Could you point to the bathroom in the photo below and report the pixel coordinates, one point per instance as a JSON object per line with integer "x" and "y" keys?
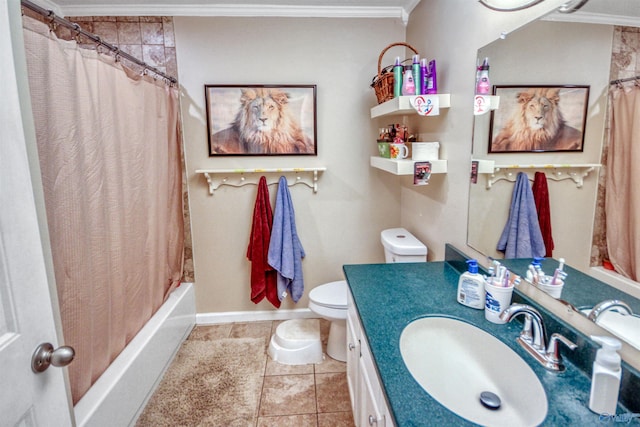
{"x": 339, "y": 224}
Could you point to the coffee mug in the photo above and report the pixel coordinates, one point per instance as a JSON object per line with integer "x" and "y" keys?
{"x": 398, "y": 151}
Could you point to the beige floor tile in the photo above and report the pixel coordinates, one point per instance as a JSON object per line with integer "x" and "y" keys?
{"x": 210, "y": 332}
{"x": 275, "y": 368}
{"x": 304, "y": 420}
{"x": 288, "y": 395}
{"x": 335, "y": 419}
{"x": 332, "y": 392}
{"x": 252, "y": 330}
{"x": 330, "y": 365}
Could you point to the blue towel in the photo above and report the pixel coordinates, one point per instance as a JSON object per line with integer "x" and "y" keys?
{"x": 285, "y": 250}
{"x": 521, "y": 237}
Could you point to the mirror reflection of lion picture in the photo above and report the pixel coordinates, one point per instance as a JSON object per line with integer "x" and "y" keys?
{"x": 264, "y": 124}
{"x": 537, "y": 124}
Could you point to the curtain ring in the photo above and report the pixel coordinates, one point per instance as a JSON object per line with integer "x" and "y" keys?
{"x": 52, "y": 22}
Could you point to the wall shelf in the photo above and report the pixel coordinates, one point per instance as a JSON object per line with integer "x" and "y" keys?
{"x": 402, "y": 105}
{"x": 556, "y": 172}
{"x": 405, "y": 166}
{"x": 217, "y": 178}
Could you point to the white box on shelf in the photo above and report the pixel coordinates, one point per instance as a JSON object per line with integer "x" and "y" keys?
{"x": 422, "y": 151}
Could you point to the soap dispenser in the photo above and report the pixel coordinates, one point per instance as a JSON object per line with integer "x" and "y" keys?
{"x": 605, "y": 382}
{"x": 471, "y": 287}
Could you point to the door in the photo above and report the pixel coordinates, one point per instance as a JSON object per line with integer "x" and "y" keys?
{"x": 26, "y": 314}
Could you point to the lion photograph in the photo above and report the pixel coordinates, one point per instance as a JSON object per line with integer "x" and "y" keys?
{"x": 537, "y": 119}
{"x": 265, "y": 120}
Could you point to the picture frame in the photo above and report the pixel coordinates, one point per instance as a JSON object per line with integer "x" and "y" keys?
{"x": 261, "y": 120}
{"x": 543, "y": 118}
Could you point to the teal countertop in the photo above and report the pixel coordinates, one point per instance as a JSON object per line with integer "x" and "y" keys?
{"x": 389, "y": 296}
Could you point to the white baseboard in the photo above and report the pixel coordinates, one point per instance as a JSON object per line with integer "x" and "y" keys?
{"x": 253, "y": 316}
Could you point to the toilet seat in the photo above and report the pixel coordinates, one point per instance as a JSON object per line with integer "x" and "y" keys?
{"x": 331, "y": 295}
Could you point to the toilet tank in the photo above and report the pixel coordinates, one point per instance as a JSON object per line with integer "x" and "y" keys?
{"x": 402, "y": 246}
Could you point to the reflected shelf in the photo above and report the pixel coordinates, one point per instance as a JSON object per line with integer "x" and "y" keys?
{"x": 576, "y": 172}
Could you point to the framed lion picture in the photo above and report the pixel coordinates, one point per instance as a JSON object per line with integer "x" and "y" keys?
{"x": 539, "y": 119}
{"x": 261, "y": 120}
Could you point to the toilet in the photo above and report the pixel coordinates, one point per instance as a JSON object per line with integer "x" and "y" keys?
{"x": 329, "y": 301}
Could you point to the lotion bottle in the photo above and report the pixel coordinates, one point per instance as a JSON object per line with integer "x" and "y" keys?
{"x": 605, "y": 381}
{"x": 471, "y": 287}
{"x": 432, "y": 84}
{"x": 408, "y": 84}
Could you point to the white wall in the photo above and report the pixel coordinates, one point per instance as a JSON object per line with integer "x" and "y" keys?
{"x": 451, "y": 31}
{"x": 340, "y": 224}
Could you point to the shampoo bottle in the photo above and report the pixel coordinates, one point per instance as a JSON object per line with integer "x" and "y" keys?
{"x": 415, "y": 68}
{"x": 397, "y": 78}
{"x": 432, "y": 85}
{"x": 471, "y": 287}
{"x": 424, "y": 76}
{"x": 483, "y": 86}
{"x": 605, "y": 381}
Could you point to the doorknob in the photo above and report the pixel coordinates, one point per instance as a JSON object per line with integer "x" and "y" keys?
{"x": 45, "y": 355}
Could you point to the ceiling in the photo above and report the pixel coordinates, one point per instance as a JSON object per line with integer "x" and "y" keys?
{"x": 618, "y": 12}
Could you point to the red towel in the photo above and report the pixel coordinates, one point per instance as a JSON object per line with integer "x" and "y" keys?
{"x": 263, "y": 276}
{"x": 541, "y": 198}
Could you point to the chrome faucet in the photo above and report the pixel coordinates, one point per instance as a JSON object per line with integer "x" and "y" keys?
{"x": 607, "y": 305}
{"x": 533, "y": 337}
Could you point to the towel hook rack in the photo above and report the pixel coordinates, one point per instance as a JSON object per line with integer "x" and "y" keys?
{"x": 217, "y": 178}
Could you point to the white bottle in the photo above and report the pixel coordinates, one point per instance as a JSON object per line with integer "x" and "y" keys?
{"x": 605, "y": 382}
{"x": 471, "y": 287}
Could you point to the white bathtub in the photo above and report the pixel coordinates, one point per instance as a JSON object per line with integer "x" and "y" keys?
{"x": 121, "y": 392}
{"x": 616, "y": 280}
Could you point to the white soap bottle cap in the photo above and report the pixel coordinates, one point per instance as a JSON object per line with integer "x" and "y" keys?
{"x": 608, "y": 355}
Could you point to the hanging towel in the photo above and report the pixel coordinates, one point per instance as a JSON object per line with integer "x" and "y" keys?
{"x": 541, "y": 198}
{"x": 285, "y": 249}
{"x": 263, "y": 277}
{"x": 521, "y": 237}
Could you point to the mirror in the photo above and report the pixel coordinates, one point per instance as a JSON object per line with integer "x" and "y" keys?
{"x": 554, "y": 53}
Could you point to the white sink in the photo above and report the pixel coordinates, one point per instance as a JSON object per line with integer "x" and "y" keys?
{"x": 625, "y": 327}
{"x": 455, "y": 362}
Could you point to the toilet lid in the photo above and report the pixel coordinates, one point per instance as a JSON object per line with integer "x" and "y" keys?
{"x": 332, "y": 295}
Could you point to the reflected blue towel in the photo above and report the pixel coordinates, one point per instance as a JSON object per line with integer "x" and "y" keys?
{"x": 521, "y": 237}
{"x": 285, "y": 250}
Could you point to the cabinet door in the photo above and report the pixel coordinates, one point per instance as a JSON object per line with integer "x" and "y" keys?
{"x": 369, "y": 412}
{"x": 353, "y": 365}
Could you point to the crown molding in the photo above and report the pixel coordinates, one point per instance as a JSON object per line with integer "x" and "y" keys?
{"x": 594, "y": 18}
{"x": 240, "y": 10}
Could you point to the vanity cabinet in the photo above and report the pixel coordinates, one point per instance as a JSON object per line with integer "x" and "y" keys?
{"x": 365, "y": 391}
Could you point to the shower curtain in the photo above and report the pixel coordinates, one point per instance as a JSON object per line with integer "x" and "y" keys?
{"x": 622, "y": 202}
{"x": 108, "y": 143}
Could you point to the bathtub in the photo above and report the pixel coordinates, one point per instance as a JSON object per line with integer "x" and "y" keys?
{"x": 616, "y": 280}
{"x": 121, "y": 392}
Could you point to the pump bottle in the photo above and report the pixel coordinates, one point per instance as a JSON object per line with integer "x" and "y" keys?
{"x": 471, "y": 287}
{"x": 605, "y": 381}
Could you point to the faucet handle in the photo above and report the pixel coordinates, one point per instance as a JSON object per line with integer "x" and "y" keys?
{"x": 553, "y": 350}
{"x": 526, "y": 334}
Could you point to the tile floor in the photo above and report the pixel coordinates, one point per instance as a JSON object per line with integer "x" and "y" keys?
{"x": 293, "y": 396}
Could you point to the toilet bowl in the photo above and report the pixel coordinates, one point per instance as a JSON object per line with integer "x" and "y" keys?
{"x": 329, "y": 301}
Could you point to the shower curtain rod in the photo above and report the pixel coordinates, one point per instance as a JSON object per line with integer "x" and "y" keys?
{"x": 96, "y": 39}
{"x": 630, "y": 79}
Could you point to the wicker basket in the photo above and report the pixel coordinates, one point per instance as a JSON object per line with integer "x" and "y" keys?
{"x": 383, "y": 81}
